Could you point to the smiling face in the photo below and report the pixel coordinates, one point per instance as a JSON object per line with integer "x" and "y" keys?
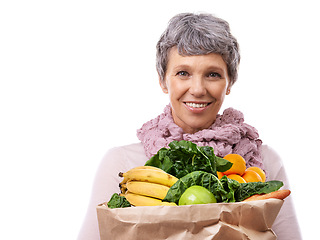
{"x": 196, "y": 86}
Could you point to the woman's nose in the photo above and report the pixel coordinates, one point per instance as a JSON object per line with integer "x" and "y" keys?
{"x": 197, "y": 87}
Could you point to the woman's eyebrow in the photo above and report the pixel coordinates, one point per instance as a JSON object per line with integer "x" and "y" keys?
{"x": 208, "y": 68}
{"x": 182, "y": 66}
{"x": 217, "y": 68}
{"x": 187, "y": 67}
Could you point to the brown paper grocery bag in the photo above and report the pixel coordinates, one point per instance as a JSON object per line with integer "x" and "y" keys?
{"x": 242, "y": 220}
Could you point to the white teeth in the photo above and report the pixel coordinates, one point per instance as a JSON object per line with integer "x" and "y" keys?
{"x": 197, "y": 105}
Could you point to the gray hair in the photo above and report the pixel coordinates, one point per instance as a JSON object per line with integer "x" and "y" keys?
{"x": 198, "y": 34}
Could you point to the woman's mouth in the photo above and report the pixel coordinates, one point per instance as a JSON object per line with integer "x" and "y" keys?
{"x": 196, "y": 107}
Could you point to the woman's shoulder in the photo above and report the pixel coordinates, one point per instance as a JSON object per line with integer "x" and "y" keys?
{"x": 133, "y": 150}
{"x": 126, "y": 156}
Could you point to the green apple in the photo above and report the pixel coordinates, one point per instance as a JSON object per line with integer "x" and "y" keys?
{"x": 197, "y": 195}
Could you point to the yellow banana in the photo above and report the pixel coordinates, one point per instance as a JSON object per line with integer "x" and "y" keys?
{"x": 123, "y": 187}
{"x": 168, "y": 204}
{"x": 147, "y": 189}
{"x": 149, "y": 175}
{"x": 140, "y": 167}
{"x": 150, "y": 167}
{"x": 139, "y": 200}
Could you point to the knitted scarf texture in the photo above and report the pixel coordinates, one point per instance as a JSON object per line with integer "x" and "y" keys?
{"x": 228, "y": 134}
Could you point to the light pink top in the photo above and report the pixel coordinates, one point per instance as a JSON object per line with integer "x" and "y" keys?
{"x": 121, "y": 159}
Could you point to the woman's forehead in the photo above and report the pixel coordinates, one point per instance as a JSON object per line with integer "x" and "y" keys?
{"x": 209, "y": 60}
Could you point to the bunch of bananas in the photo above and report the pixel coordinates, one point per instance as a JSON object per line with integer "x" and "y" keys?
{"x": 146, "y": 186}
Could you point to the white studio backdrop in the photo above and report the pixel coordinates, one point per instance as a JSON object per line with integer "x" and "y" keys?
{"x": 78, "y": 78}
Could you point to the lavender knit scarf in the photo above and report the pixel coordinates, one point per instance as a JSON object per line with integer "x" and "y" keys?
{"x": 228, "y": 134}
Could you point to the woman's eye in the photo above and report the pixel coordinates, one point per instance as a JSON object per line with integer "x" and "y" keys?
{"x": 183, "y": 74}
{"x": 214, "y": 75}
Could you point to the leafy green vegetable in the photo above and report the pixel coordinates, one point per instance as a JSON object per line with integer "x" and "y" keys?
{"x": 251, "y": 188}
{"x": 200, "y": 178}
{"x": 183, "y": 157}
{"x": 117, "y": 201}
{"x": 224, "y": 190}
{"x": 230, "y": 186}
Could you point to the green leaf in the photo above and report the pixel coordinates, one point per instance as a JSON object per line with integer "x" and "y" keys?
{"x": 222, "y": 164}
{"x": 251, "y": 188}
{"x": 200, "y": 178}
{"x": 230, "y": 186}
{"x": 184, "y": 146}
{"x": 155, "y": 160}
{"x": 183, "y": 157}
{"x": 117, "y": 201}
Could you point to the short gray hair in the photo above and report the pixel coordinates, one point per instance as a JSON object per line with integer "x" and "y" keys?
{"x": 198, "y": 34}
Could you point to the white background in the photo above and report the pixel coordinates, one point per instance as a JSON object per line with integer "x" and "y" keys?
{"x": 78, "y": 77}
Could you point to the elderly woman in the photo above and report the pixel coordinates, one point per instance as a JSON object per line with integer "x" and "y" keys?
{"x": 197, "y": 62}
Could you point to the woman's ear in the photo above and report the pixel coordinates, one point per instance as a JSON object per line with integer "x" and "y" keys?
{"x": 163, "y": 85}
{"x": 228, "y": 88}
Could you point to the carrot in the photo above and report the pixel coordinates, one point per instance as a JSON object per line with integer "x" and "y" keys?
{"x": 280, "y": 194}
